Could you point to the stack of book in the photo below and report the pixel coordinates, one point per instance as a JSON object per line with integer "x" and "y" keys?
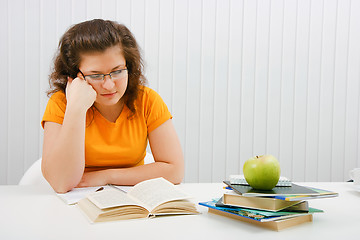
{"x": 277, "y": 209}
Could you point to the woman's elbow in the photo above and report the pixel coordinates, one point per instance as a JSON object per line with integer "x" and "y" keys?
{"x": 178, "y": 174}
{"x": 61, "y": 189}
{"x": 59, "y": 186}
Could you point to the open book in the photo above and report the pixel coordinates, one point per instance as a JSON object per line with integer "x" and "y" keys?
{"x": 146, "y": 199}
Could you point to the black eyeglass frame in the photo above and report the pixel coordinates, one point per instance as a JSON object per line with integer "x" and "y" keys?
{"x": 100, "y": 74}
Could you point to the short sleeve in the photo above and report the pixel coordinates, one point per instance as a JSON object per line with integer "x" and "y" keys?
{"x": 55, "y": 109}
{"x": 156, "y": 111}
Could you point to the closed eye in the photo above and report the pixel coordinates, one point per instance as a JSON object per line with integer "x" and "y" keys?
{"x": 95, "y": 76}
{"x": 118, "y": 71}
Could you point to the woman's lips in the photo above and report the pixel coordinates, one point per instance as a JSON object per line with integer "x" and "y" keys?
{"x": 108, "y": 94}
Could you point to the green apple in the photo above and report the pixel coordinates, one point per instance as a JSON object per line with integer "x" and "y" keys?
{"x": 262, "y": 172}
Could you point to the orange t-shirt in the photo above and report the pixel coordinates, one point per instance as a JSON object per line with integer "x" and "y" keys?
{"x": 119, "y": 144}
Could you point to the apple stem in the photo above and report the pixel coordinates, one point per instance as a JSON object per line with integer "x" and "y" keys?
{"x": 257, "y": 156}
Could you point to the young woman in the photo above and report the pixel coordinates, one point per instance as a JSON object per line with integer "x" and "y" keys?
{"x": 100, "y": 115}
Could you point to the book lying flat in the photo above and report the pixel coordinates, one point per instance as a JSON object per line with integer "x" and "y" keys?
{"x": 262, "y": 203}
{"x": 265, "y": 215}
{"x": 256, "y": 214}
{"x": 273, "y": 220}
{"x": 146, "y": 199}
{"x": 276, "y": 223}
{"x": 276, "y": 191}
{"x": 240, "y": 179}
{"x": 321, "y": 194}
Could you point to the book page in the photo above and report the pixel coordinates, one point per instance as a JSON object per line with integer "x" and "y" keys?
{"x": 156, "y": 191}
{"x": 112, "y": 198}
{"x": 76, "y": 194}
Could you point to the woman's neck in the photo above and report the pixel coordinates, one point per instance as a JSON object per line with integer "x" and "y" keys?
{"x": 112, "y": 112}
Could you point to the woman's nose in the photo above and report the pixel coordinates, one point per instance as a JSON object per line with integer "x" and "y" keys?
{"x": 108, "y": 83}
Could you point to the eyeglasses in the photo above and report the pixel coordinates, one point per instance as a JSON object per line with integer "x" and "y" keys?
{"x": 115, "y": 75}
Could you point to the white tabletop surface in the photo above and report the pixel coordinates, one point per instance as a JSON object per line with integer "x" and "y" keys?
{"x": 36, "y": 212}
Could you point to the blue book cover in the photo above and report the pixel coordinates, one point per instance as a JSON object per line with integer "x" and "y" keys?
{"x": 257, "y": 215}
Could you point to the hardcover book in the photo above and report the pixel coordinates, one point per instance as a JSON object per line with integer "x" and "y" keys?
{"x": 276, "y": 191}
{"x": 240, "y": 179}
{"x": 321, "y": 194}
{"x": 262, "y": 203}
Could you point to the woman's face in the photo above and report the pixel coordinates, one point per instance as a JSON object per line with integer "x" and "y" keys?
{"x": 109, "y": 91}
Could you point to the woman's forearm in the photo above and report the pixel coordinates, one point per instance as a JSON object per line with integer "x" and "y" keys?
{"x": 134, "y": 175}
{"x": 131, "y": 176}
{"x": 63, "y": 153}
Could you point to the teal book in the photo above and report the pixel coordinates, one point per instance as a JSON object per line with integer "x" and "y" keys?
{"x": 258, "y": 215}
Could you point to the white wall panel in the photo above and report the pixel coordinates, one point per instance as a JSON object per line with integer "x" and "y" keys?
{"x": 248, "y": 80}
{"x": 326, "y": 90}
{"x": 137, "y": 20}
{"x": 232, "y": 163}
{"x": 205, "y": 159}
{"x": 109, "y": 8}
{"x": 340, "y": 89}
{"x": 166, "y": 50}
{"x": 241, "y": 78}
{"x": 275, "y": 67}
{"x": 287, "y": 86}
{"x": 192, "y": 80}
{"x": 124, "y": 10}
{"x": 152, "y": 38}
{"x": 16, "y": 90}
{"x": 220, "y": 90}
{"x": 352, "y": 124}
{"x": 179, "y": 75}
{"x": 300, "y": 89}
{"x": 261, "y": 77}
{"x": 93, "y": 8}
{"x": 77, "y": 9}
{"x": 4, "y": 102}
{"x": 32, "y": 117}
{"x": 313, "y": 106}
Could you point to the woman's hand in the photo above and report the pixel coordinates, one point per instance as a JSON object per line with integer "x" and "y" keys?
{"x": 95, "y": 178}
{"x": 80, "y": 94}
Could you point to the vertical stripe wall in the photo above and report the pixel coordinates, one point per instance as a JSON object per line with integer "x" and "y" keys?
{"x": 241, "y": 78}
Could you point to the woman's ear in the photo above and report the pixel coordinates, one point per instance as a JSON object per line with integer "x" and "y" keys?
{"x": 79, "y": 75}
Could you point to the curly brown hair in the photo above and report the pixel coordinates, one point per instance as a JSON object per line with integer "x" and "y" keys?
{"x": 96, "y": 36}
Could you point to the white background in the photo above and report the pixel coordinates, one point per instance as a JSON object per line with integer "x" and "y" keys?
{"x": 241, "y": 78}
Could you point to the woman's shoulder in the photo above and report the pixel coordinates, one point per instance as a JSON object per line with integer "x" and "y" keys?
{"x": 148, "y": 97}
{"x": 58, "y": 96}
{"x": 150, "y": 100}
{"x": 146, "y": 90}
{"x": 58, "y": 99}
{"x": 147, "y": 93}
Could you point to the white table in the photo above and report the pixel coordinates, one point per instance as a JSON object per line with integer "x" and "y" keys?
{"x": 35, "y": 212}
